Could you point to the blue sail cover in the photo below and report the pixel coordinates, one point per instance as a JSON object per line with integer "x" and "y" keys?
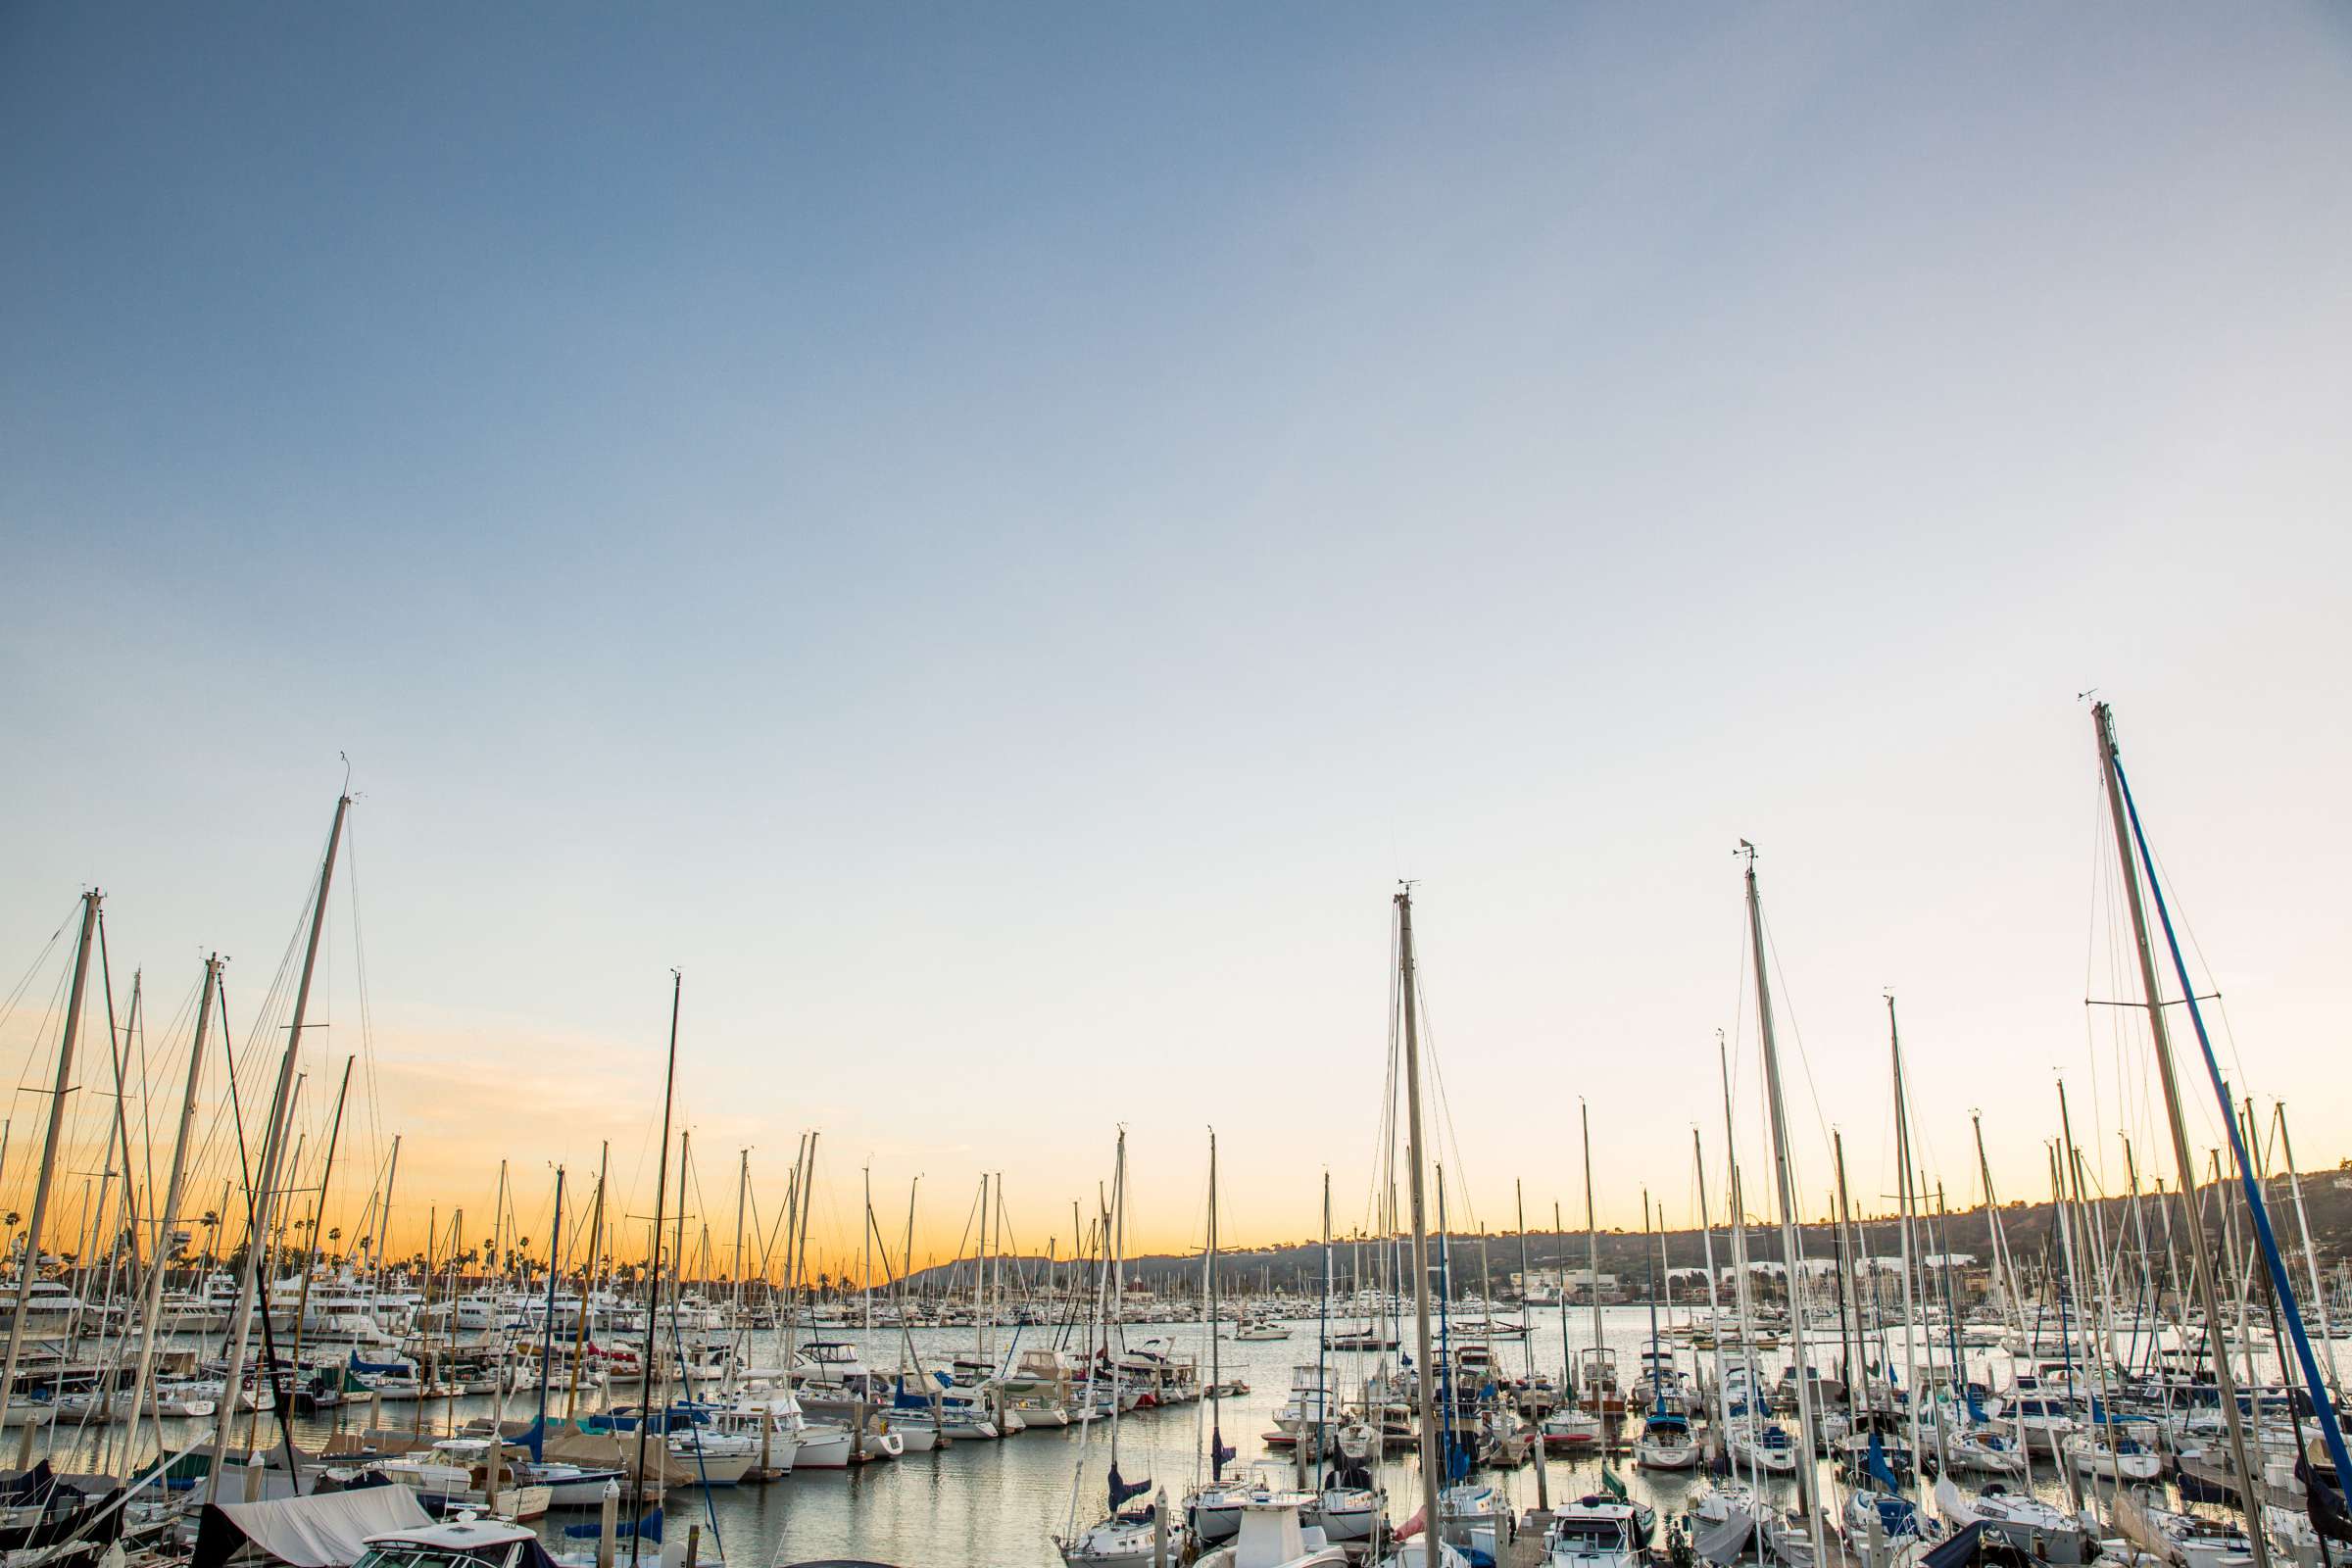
{"x": 1219, "y": 1454}
{"x": 1123, "y": 1490}
{"x": 1877, "y": 1465}
{"x": 379, "y": 1368}
{"x": 648, "y": 1528}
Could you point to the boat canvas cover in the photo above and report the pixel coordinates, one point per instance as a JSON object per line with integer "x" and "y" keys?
{"x": 1961, "y": 1549}
{"x": 1724, "y": 1541}
{"x": 329, "y": 1530}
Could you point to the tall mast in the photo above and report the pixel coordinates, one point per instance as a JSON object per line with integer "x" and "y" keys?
{"x": 653, "y": 1303}
{"x": 1216, "y": 1370}
{"x": 547, "y": 1330}
{"x": 117, "y": 1048}
{"x": 1115, "y": 1223}
{"x": 264, "y": 1194}
{"x": 1806, "y": 1481}
{"x": 2099, "y": 1349}
{"x": 151, "y": 1309}
{"x": 383, "y": 1225}
{"x": 1846, "y": 1271}
{"x": 1559, "y": 1239}
{"x": 49, "y": 1149}
{"x": 980, "y": 1277}
{"x": 1425, "y": 1381}
{"x": 1649, "y": 1357}
{"x": 1706, "y": 1233}
{"x": 1992, "y": 1212}
{"x": 1323, "y": 1337}
{"x": 588, "y": 1277}
{"x": 1910, "y": 1255}
{"x": 1584, "y": 1115}
{"x": 1527, "y": 1316}
{"x": 678, "y": 1251}
{"x": 326, "y": 1171}
{"x": 1740, "y": 1283}
{"x": 2102, "y": 721}
{"x": 2311, "y": 1259}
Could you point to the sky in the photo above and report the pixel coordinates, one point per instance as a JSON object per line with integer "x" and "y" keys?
{"x": 992, "y": 539}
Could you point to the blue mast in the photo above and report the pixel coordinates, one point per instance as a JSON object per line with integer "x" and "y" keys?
{"x": 2331, "y": 1426}
{"x": 1323, "y": 1331}
{"x": 547, "y": 1341}
{"x": 1455, "y": 1468}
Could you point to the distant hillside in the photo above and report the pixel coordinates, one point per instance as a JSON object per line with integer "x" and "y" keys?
{"x": 2028, "y": 1230}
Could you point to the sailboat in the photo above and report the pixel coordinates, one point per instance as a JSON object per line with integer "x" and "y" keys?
{"x": 1444, "y": 1510}
{"x": 1351, "y": 1505}
{"x": 1213, "y": 1512}
{"x": 1122, "y": 1535}
{"x": 1598, "y": 1388}
{"x": 2144, "y": 890}
{"x": 1572, "y": 1427}
{"x": 1796, "y": 1540}
{"x": 1665, "y": 1443}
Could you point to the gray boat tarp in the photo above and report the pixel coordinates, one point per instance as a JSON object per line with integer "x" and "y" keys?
{"x": 327, "y": 1530}
{"x": 1724, "y": 1541}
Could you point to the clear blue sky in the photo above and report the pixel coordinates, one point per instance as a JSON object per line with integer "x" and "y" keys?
{"x": 992, "y": 535}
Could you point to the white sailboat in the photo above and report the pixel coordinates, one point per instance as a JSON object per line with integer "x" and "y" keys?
{"x": 1118, "y": 1539}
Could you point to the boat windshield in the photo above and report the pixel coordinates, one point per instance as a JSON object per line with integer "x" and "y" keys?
{"x": 408, "y": 1554}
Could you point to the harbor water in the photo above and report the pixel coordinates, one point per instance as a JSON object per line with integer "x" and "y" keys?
{"x": 985, "y": 1504}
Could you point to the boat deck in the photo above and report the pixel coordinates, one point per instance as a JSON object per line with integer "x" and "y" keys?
{"x": 1526, "y": 1550}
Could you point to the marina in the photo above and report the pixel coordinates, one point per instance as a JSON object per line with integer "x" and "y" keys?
{"x": 2076, "y": 1404}
{"x": 1531, "y": 784}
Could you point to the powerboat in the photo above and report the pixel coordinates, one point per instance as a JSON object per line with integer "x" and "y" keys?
{"x": 1593, "y": 1533}
{"x": 1273, "y": 1533}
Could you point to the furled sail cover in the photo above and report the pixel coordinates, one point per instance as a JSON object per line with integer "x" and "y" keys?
{"x": 326, "y": 1531}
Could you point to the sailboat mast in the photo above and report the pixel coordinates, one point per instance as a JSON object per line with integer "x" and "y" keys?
{"x": 1424, "y": 1381}
{"x": 151, "y": 1311}
{"x": 49, "y": 1151}
{"x": 1649, "y": 1266}
{"x": 588, "y": 1278}
{"x": 743, "y": 1187}
{"x": 1792, "y": 1260}
{"x": 1559, "y": 1238}
{"x": 2097, "y": 1351}
{"x": 1741, "y": 1288}
{"x": 1584, "y": 1115}
{"x": 2200, "y": 1258}
{"x": 1323, "y": 1335}
{"x": 1992, "y": 1214}
{"x": 2311, "y": 1261}
{"x": 1846, "y": 1272}
{"x": 1706, "y": 1234}
{"x": 1527, "y": 1316}
{"x": 547, "y": 1329}
{"x": 653, "y": 1301}
{"x": 1208, "y": 1282}
{"x": 1910, "y": 1254}
{"x": 281, "y": 1110}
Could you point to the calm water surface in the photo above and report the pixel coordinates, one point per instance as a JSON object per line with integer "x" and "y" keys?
{"x": 996, "y": 1505}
